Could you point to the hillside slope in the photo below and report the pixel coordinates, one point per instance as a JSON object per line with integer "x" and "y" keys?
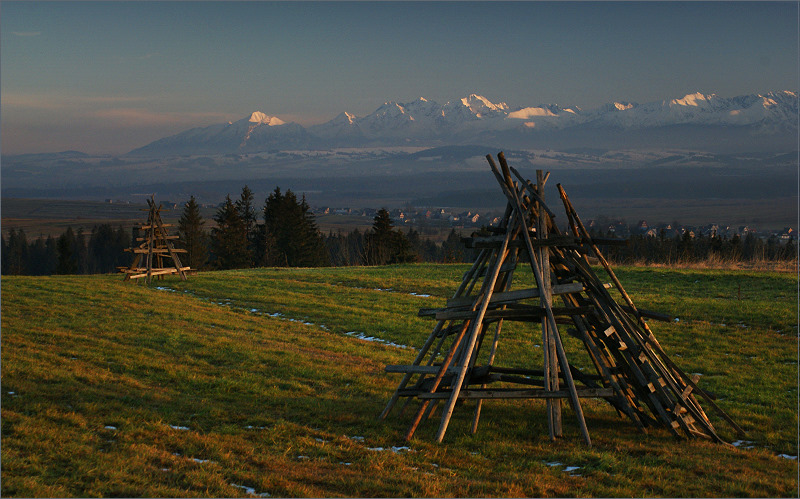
{"x": 268, "y": 382}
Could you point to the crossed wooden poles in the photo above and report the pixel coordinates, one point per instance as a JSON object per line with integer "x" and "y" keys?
{"x": 155, "y": 247}
{"x": 634, "y": 374}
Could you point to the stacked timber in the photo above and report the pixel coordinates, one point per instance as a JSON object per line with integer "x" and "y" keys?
{"x": 633, "y": 372}
{"x": 155, "y": 255}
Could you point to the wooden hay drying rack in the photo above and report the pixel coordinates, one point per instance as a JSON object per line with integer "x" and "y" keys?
{"x": 634, "y": 374}
{"x": 156, "y": 248}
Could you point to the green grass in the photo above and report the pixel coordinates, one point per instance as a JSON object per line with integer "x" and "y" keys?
{"x": 100, "y": 377}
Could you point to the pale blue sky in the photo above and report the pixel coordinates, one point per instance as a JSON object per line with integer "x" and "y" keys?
{"x": 106, "y": 77}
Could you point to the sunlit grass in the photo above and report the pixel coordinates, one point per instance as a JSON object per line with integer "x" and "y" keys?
{"x": 113, "y": 388}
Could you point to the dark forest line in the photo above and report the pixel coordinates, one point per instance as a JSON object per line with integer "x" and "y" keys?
{"x": 283, "y": 232}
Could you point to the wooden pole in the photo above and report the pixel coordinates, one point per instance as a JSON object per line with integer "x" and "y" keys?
{"x": 485, "y": 298}
{"x": 511, "y": 194}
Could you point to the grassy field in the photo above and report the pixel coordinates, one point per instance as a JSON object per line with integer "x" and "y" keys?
{"x": 261, "y": 383}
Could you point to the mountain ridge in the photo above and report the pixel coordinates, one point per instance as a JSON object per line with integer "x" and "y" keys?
{"x": 762, "y": 120}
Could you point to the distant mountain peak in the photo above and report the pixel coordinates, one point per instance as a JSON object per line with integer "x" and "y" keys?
{"x": 479, "y": 104}
{"x": 265, "y": 119}
{"x": 696, "y": 99}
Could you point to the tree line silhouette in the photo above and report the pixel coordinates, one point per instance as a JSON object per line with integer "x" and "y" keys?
{"x": 284, "y": 233}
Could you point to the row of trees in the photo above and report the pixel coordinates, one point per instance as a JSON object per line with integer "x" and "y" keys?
{"x": 70, "y": 253}
{"x": 284, "y": 232}
{"x": 289, "y": 236}
{"x": 699, "y": 248}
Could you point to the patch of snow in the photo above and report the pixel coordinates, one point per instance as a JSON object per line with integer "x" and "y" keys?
{"x": 569, "y": 469}
{"x": 744, "y": 444}
{"x": 396, "y": 450}
{"x": 364, "y": 337}
{"x": 250, "y": 490}
{"x": 201, "y": 460}
{"x": 12, "y": 393}
{"x": 344, "y": 463}
{"x": 787, "y": 456}
{"x": 183, "y": 428}
{"x": 357, "y": 439}
{"x": 109, "y": 427}
{"x": 302, "y": 457}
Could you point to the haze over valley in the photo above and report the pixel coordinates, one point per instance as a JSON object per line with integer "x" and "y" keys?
{"x": 402, "y": 106}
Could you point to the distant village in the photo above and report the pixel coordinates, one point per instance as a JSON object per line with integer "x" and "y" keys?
{"x": 468, "y": 219}
{"x": 444, "y": 217}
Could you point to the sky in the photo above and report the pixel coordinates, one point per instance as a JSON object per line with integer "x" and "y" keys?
{"x": 108, "y": 77}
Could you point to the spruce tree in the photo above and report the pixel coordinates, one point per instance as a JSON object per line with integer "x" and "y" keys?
{"x": 51, "y": 255}
{"x": 248, "y": 213}
{"x": 193, "y": 236}
{"x": 452, "y": 248}
{"x": 81, "y": 252}
{"x": 229, "y": 238}
{"x": 17, "y": 248}
{"x": 291, "y": 232}
{"x": 66, "y": 253}
{"x": 383, "y": 244}
{"x": 378, "y": 243}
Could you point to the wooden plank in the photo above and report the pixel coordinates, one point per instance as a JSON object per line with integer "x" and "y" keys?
{"x": 649, "y": 314}
{"x": 496, "y": 241}
{"x": 158, "y": 250}
{"x": 515, "y": 393}
{"x": 528, "y": 313}
{"x": 519, "y": 294}
{"x": 416, "y": 369}
{"x": 155, "y": 273}
{"x": 160, "y": 237}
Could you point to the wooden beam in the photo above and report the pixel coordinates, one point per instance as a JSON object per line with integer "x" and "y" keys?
{"x": 519, "y": 294}
{"x": 515, "y": 393}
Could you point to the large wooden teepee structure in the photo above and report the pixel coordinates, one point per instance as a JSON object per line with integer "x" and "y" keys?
{"x": 633, "y": 373}
{"x": 156, "y": 249}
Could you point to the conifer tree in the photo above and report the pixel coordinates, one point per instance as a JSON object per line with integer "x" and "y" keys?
{"x": 229, "y": 238}
{"x": 193, "y": 236}
{"x": 17, "y": 249}
{"x": 383, "y": 244}
{"x": 452, "y": 249}
{"x": 248, "y": 213}
{"x": 81, "y": 252}
{"x": 66, "y": 253}
{"x": 292, "y": 233}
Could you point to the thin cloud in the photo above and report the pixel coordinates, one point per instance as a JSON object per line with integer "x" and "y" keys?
{"x": 52, "y": 101}
{"x": 146, "y": 117}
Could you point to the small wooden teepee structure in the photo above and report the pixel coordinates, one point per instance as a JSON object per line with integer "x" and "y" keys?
{"x": 156, "y": 248}
{"x": 634, "y": 374}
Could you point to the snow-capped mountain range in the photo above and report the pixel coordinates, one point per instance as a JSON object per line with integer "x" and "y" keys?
{"x": 755, "y": 122}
